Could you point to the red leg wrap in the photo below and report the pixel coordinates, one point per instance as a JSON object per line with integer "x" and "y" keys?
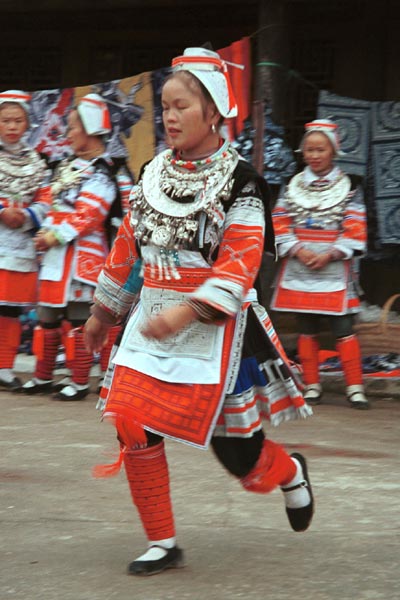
{"x": 50, "y": 340}
{"x": 274, "y": 467}
{"x": 308, "y": 348}
{"x": 148, "y": 478}
{"x": 10, "y": 336}
{"x": 66, "y": 327}
{"x": 82, "y": 362}
{"x": 350, "y": 357}
{"x": 106, "y": 351}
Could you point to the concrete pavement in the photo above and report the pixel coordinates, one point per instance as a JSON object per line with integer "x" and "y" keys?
{"x": 67, "y": 536}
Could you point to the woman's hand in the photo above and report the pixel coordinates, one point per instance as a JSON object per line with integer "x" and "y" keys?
{"x": 312, "y": 260}
{"x": 13, "y": 217}
{"x": 305, "y": 256}
{"x": 319, "y": 261}
{"x": 45, "y": 240}
{"x": 169, "y": 321}
{"x": 95, "y": 334}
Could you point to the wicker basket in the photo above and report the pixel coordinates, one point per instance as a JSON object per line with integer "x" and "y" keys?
{"x": 380, "y": 337}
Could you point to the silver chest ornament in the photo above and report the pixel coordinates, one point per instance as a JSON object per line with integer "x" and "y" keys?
{"x": 167, "y": 202}
{"x": 21, "y": 174}
{"x": 321, "y": 207}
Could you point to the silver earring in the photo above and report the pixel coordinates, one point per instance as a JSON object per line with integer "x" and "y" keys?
{"x": 213, "y": 128}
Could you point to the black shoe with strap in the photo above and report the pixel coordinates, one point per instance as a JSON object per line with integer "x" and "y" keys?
{"x": 313, "y": 394}
{"x": 173, "y": 559}
{"x": 33, "y": 387}
{"x": 300, "y": 518}
{"x": 13, "y": 386}
{"x": 70, "y": 393}
{"x": 356, "y": 397}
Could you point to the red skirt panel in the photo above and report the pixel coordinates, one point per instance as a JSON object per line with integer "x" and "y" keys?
{"x": 55, "y": 293}
{"x": 18, "y": 288}
{"x": 186, "y": 412}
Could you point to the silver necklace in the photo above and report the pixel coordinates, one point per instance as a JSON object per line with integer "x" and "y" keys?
{"x": 166, "y": 203}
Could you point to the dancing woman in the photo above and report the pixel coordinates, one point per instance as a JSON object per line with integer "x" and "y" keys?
{"x": 199, "y": 361}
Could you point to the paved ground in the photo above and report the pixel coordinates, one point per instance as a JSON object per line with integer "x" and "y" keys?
{"x": 66, "y": 536}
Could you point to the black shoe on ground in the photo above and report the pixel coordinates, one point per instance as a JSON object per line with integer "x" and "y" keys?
{"x": 59, "y": 385}
{"x": 172, "y": 560}
{"x": 32, "y": 387}
{"x": 70, "y": 393}
{"x": 13, "y": 386}
{"x": 356, "y": 397}
{"x": 300, "y": 518}
{"x": 313, "y": 394}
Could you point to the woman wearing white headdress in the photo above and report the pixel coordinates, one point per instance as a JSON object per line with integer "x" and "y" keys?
{"x": 199, "y": 361}
{"x": 24, "y": 201}
{"x": 74, "y": 246}
{"x": 320, "y": 226}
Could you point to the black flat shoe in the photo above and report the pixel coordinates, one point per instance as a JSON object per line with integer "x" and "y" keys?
{"x": 300, "y": 518}
{"x": 71, "y": 396}
{"x": 360, "y": 405}
{"x": 59, "y": 385}
{"x": 13, "y": 385}
{"x": 172, "y": 560}
{"x": 313, "y": 394}
{"x": 32, "y": 387}
{"x": 356, "y": 397}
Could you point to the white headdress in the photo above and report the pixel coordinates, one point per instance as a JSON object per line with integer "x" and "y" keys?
{"x": 328, "y": 128}
{"x": 212, "y": 71}
{"x": 17, "y": 97}
{"x": 94, "y": 115}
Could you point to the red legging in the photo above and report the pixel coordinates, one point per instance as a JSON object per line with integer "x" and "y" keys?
{"x": 10, "y": 335}
{"x": 148, "y": 478}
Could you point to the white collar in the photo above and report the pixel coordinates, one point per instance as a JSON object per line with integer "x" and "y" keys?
{"x": 309, "y": 176}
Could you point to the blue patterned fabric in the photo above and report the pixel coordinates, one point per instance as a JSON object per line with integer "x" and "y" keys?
{"x": 370, "y": 140}
{"x": 249, "y": 376}
{"x": 352, "y": 117}
{"x": 385, "y": 168}
{"x": 279, "y": 161}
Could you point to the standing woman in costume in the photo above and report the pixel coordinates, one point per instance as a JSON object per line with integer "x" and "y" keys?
{"x": 320, "y": 226}
{"x": 24, "y": 202}
{"x": 74, "y": 245}
{"x": 199, "y": 361}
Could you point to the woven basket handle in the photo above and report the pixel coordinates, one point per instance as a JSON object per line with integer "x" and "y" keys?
{"x": 386, "y": 308}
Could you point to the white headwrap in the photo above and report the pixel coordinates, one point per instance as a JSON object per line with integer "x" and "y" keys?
{"x": 17, "y": 97}
{"x": 212, "y": 71}
{"x": 328, "y": 128}
{"x": 94, "y": 115}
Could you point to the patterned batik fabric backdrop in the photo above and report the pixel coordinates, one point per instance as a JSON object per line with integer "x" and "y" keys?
{"x": 279, "y": 163}
{"x": 130, "y": 102}
{"x": 135, "y": 107}
{"x": 370, "y": 140}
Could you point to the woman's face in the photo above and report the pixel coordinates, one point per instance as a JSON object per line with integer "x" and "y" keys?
{"x": 76, "y": 135}
{"x": 13, "y": 123}
{"x": 318, "y": 153}
{"x": 188, "y": 118}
